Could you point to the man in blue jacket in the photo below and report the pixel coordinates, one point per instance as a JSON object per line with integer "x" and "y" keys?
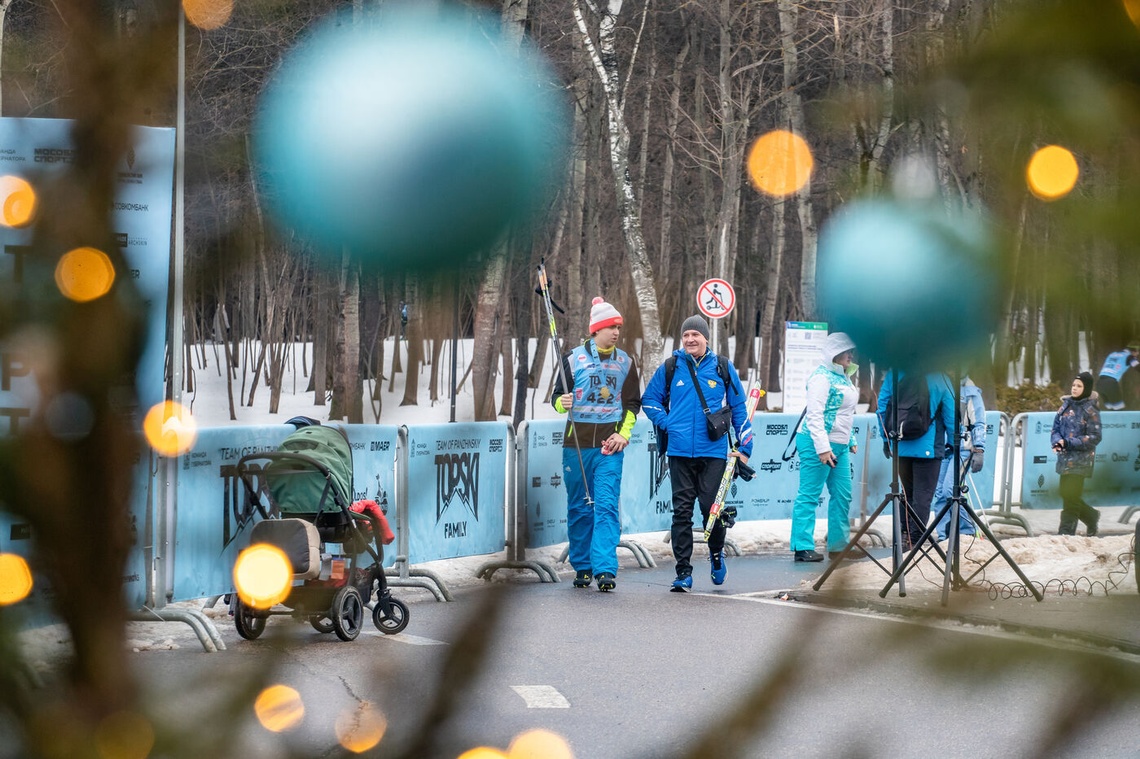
{"x": 920, "y": 456}
{"x": 696, "y": 462}
{"x": 1108, "y": 383}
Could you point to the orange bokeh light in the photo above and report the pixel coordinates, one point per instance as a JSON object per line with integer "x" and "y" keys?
{"x": 17, "y": 201}
{"x": 208, "y": 14}
{"x": 1052, "y": 172}
{"x": 15, "y": 579}
{"x": 360, "y": 730}
{"x": 539, "y": 744}
{"x": 263, "y": 576}
{"x": 279, "y": 708}
{"x": 780, "y": 163}
{"x": 170, "y": 428}
{"x": 84, "y": 274}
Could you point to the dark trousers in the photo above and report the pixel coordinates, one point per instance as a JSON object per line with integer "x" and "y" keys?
{"x": 1073, "y": 506}
{"x": 693, "y": 480}
{"x": 919, "y": 478}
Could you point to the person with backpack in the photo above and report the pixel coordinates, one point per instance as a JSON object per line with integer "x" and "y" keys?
{"x": 907, "y": 423}
{"x": 825, "y": 442}
{"x": 684, "y": 397}
{"x": 1112, "y": 372}
{"x": 1075, "y": 436}
{"x": 972, "y": 453}
{"x": 598, "y": 387}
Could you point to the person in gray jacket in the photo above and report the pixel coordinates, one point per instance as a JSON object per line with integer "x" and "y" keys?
{"x": 1076, "y": 434}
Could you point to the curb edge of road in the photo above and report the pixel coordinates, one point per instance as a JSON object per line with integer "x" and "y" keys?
{"x": 1099, "y": 642}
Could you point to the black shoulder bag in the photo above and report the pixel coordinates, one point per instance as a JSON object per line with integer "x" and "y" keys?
{"x": 717, "y": 421}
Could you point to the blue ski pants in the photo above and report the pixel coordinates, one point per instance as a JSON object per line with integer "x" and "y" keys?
{"x": 594, "y": 530}
{"x": 943, "y": 493}
{"x": 814, "y": 474}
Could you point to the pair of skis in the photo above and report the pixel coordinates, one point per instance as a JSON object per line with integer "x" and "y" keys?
{"x": 754, "y": 394}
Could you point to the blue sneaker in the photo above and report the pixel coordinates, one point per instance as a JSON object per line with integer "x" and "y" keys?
{"x": 719, "y": 568}
{"x": 683, "y": 584}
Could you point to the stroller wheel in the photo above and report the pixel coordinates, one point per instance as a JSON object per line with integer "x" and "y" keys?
{"x": 393, "y": 622}
{"x": 321, "y": 624}
{"x": 248, "y": 624}
{"x": 348, "y": 613}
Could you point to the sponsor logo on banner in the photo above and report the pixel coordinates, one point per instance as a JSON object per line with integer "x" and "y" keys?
{"x": 1040, "y": 459}
{"x": 1115, "y": 426}
{"x": 1040, "y": 480}
{"x": 556, "y": 438}
{"x": 1136, "y": 463}
{"x": 536, "y": 482}
{"x": 1121, "y": 456}
{"x": 119, "y": 205}
{"x": 495, "y": 445}
{"x": 381, "y": 445}
{"x": 54, "y": 155}
{"x": 10, "y": 154}
{"x": 776, "y": 429}
{"x": 195, "y": 459}
{"x": 555, "y": 480}
{"x": 771, "y": 465}
{"x": 457, "y": 490}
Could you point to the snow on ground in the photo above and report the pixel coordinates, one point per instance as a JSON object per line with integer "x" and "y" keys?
{"x": 1084, "y": 563}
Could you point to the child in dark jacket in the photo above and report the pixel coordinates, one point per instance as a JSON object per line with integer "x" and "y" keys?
{"x": 1076, "y": 433}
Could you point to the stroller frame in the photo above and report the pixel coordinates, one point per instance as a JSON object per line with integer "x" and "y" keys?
{"x": 328, "y": 605}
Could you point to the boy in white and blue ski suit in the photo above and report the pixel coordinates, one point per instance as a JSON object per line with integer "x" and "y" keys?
{"x": 696, "y": 463}
{"x": 602, "y": 401}
{"x": 973, "y": 437}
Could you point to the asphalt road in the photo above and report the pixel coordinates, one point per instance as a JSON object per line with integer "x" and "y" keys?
{"x": 642, "y": 672}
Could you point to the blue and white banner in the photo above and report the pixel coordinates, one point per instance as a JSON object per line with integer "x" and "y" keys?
{"x": 457, "y": 489}
{"x": 1116, "y": 474}
{"x": 544, "y": 489}
{"x": 40, "y": 151}
{"x": 214, "y": 514}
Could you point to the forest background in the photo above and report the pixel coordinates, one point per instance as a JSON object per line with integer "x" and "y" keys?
{"x": 667, "y": 98}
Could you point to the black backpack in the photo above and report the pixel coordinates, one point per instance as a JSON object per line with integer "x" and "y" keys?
{"x": 670, "y": 368}
{"x": 908, "y": 412}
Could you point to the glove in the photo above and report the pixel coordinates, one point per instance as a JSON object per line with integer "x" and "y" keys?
{"x": 977, "y": 461}
{"x": 887, "y": 448}
{"x": 743, "y": 471}
{"x": 728, "y": 516}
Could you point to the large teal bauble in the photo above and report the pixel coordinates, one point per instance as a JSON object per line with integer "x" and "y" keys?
{"x": 914, "y": 285}
{"x": 412, "y": 139}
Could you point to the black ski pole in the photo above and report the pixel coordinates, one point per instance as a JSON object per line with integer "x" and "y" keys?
{"x": 544, "y": 287}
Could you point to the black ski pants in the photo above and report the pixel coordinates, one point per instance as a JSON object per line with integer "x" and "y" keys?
{"x": 693, "y": 479}
{"x": 919, "y": 478}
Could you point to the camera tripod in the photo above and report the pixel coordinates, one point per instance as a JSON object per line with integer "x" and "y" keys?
{"x": 901, "y": 511}
{"x": 955, "y": 505}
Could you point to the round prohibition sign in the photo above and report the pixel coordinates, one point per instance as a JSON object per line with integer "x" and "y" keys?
{"x": 715, "y": 298}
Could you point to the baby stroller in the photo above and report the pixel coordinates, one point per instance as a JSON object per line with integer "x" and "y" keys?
{"x": 307, "y": 483}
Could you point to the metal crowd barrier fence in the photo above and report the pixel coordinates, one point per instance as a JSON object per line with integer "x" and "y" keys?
{"x": 474, "y": 489}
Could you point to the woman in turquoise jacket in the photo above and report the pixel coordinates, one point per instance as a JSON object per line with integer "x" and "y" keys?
{"x": 824, "y": 444}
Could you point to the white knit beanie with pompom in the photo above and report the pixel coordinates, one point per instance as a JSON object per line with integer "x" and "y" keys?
{"x": 603, "y": 315}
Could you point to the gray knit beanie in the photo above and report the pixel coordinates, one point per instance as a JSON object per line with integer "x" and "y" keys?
{"x": 697, "y": 323}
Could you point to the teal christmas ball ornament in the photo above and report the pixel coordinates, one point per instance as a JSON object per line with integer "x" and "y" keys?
{"x": 915, "y": 285}
{"x": 411, "y": 139}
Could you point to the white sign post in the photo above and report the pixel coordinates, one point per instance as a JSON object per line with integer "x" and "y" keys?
{"x": 715, "y": 299}
{"x": 802, "y": 344}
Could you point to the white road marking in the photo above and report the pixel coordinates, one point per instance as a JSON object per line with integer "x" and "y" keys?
{"x": 541, "y": 697}
{"x": 412, "y": 640}
{"x": 763, "y": 597}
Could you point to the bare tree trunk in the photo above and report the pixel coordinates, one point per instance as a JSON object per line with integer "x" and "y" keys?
{"x": 788, "y": 11}
{"x": 772, "y": 294}
{"x": 348, "y": 382}
{"x": 415, "y": 345}
{"x": 486, "y": 348}
{"x": 604, "y": 58}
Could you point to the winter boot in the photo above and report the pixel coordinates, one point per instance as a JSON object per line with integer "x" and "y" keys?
{"x": 606, "y": 582}
{"x": 1068, "y": 524}
{"x": 719, "y": 569}
{"x": 683, "y": 584}
{"x": 583, "y": 578}
{"x": 808, "y": 555}
{"x": 1091, "y": 518}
